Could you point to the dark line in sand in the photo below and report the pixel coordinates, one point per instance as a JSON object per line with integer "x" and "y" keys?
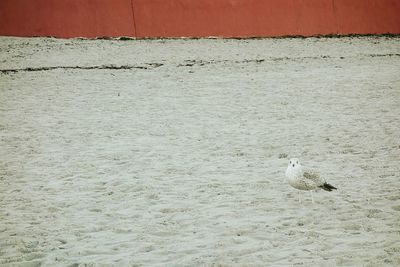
{"x": 191, "y": 63}
{"x": 186, "y": 63}
{"x": 101, "y": 67}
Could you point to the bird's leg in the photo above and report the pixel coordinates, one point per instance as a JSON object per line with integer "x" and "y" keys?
{"x": 299, "y": 196}
{"x": 312, "y": 198}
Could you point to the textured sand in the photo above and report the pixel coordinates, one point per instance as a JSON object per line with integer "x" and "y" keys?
{"x": 173, "y": 152}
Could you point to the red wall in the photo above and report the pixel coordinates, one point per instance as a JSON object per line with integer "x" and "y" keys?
{"x": 66, "y": 18}
{"x": 197, "y": 18}
{"x": 241, "y": 18}
{"x": 368, "y": 16}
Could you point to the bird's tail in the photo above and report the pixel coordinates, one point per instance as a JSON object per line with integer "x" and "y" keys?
{"x": 328, "y": 187}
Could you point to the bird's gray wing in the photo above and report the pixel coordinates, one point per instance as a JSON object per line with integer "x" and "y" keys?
{"x": 313, "y": 176}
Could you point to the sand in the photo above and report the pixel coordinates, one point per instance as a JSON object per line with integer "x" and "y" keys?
{"x": 173, "y": 152}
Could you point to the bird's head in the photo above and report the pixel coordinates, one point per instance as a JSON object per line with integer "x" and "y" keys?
{"x": 294, "y": 163}
{"x": 293, "y": 168}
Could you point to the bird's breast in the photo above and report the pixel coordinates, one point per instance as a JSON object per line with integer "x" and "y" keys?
{"x": 299, "y": 184}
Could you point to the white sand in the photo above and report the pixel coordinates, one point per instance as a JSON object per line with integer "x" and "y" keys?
{"x": 184, "y": 165}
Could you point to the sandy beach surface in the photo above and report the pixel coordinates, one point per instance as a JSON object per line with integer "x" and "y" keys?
{"x": 173, "y": 152}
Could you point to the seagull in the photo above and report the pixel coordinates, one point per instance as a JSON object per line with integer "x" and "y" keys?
{"x": 305, "y": 179}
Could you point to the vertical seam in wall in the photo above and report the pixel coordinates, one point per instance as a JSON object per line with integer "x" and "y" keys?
{"x": 133, "y": 18}
{"x": 335, "y": 17}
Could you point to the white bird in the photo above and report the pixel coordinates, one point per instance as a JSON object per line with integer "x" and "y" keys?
{"x": 305, "y": 179}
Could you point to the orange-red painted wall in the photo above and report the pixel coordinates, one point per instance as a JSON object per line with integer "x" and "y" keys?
{"x": 66, "y": 18}
{"x": 234, "y": 18}
{"x": 197, "y": 18}
{"x": 367, "y": 16}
